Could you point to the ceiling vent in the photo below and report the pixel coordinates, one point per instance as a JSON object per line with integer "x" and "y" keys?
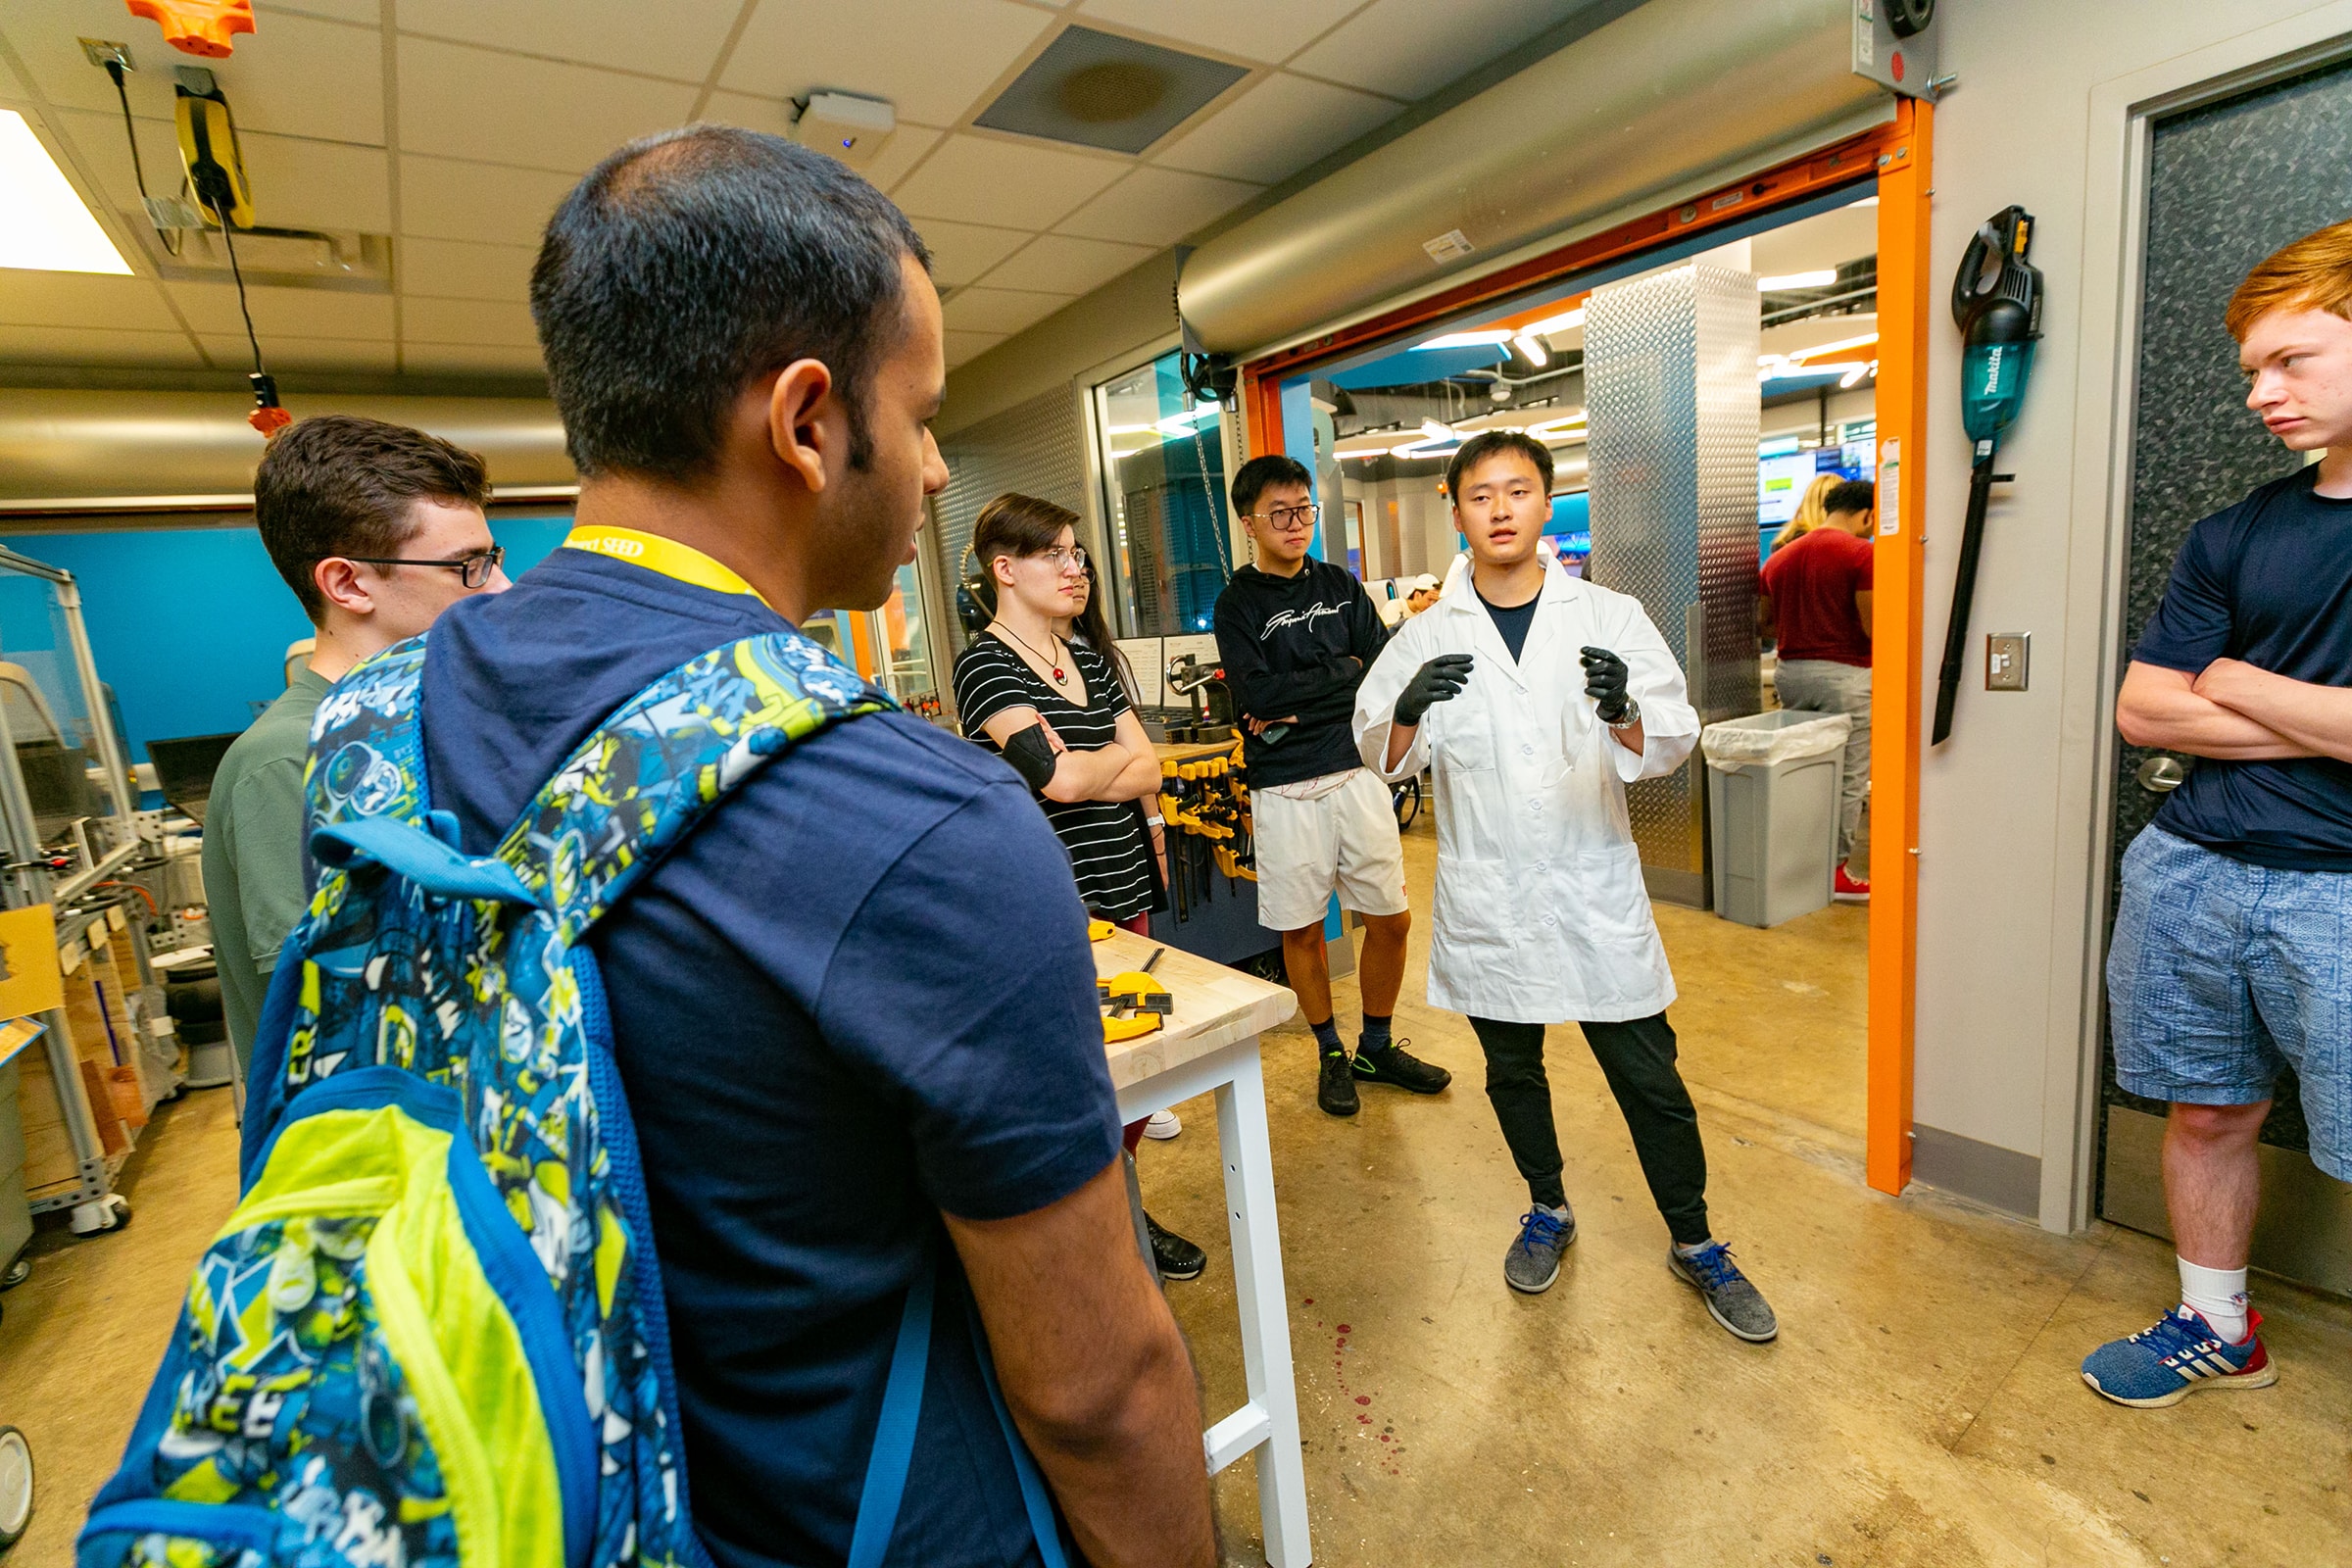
{"x": 1097, "y": 89}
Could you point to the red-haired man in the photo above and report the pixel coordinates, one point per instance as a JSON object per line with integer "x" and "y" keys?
{"x": 2232, "y": 950}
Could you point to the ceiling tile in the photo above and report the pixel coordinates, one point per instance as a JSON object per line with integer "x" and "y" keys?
{"x": 1000, "y": 309}
{"x": 1057, "y": 264}
{"x": 89, "y": 345}
{"x": 1155, "y": 205}
{"x": 444, "y": 199}
{"x": 961, "y": 252}
{"x": 466, "y": 321}
{"x": 1410, "y": 48}
{"x": 907, "y": 144}
{"x": 1278, "y": 126}
{"x": 933, "y": 61}
{"x": 369, "y": 12}
{"x": 81, "y": 299}
{"x": 974, "y": 180}
{"x": 1251, "y": 28}
{"x": 212, "y": 310}
{"x": 484, "y": 357}
{"x": 303, "y": 352}
{"x": 683, "y": 43}
{"x": 296, "y": 75}
{"x": 458, "y": 269}
{"x": 460, "y": 102}
{"x": 962, "y": 346}
{"x": 299, "y": 184}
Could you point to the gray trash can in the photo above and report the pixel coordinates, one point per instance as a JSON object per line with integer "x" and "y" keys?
{"x": 1772, "y": 808}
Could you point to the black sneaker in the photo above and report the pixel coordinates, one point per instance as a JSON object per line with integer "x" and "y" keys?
{"x": 1392, "y": 1064}
{"x": 1335, "y": 1091}
{"x": 1178, "y": 1259}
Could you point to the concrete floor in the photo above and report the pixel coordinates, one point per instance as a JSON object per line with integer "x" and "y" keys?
{"x": 1921, "y": 1408}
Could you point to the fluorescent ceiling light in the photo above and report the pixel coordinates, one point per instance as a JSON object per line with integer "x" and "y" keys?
{"x": 1467, "y": 340}
{"x": 1839, "y": 346}
{"x": 1529, "y": 344}
{"x": 48, "y": 229}
{"x": 1435, "y": 432}
{"x": 1565, "y": 322}
{"x": 1867, "y": 201}
{"x": 1555, "y": 433}
{"x": 1853, "y": 377}
{"x": 1789, "y": 280}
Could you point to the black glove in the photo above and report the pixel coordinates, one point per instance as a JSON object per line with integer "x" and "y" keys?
{"x": 1442, "y": 677}
{"x": 1033, "y": 757}
{"x": 1604, "y": 682}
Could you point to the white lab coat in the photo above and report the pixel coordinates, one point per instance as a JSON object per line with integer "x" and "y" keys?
{"x": 1541, "y": 915}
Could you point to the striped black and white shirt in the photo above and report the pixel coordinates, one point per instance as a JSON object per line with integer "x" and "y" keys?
{"x": 1109, "y": 847}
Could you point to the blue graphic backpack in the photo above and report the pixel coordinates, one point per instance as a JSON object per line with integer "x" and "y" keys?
{"x": 431, "y": 1335}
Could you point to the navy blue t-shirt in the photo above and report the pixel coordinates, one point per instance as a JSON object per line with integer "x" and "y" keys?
{"x": 858, "y": 994}
{"x": 2268, "y": 581}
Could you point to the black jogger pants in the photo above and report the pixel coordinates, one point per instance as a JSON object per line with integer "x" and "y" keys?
{"x": 1638, "y": 1059}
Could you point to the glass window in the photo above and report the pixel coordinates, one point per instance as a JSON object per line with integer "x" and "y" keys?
{"x": 1163, "y": 458}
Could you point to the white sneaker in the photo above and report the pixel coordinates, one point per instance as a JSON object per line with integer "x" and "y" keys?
{"x": 1164, "y": 1125}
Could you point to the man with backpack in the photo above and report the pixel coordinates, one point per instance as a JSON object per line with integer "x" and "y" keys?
{"x": 853, "y": 1011}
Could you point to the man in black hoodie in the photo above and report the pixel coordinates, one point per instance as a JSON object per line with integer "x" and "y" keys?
{"x": 1296, "y": 636}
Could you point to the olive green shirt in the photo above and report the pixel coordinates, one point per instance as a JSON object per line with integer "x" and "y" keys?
{"x": 254, "y": 856}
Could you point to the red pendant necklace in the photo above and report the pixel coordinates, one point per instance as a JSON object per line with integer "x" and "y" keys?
{"x": 1061, "y": 677}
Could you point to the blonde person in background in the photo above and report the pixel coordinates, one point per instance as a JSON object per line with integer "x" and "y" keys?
{"x": 1811, "y": 513}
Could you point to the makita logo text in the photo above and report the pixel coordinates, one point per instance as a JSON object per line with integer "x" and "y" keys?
{"x": 1296, "y": 618}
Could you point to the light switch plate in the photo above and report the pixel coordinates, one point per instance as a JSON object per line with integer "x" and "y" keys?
{"x": 2005, "y": 660}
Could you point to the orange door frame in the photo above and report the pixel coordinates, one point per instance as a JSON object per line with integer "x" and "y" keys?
{"x": 1899, "y": 153}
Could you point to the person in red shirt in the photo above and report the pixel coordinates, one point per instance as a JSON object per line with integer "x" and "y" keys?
{"x": 1816, "y": 598}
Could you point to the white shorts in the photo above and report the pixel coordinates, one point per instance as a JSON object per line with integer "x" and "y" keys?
{"x": 1343, "y": 840}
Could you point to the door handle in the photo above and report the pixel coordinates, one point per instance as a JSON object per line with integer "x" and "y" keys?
{"x": 2161, "y": 774}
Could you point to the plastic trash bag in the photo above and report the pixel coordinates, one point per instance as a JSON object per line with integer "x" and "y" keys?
{"x": 1763, "y": 739}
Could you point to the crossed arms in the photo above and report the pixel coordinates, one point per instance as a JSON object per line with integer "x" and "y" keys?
{"x": 2233, "y": 711}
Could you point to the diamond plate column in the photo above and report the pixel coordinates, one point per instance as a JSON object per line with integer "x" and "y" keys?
{"x": 1673, "y": 409}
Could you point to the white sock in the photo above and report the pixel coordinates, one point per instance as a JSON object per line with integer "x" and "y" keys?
{"x": 1693, "y": 1250}
{"x": 2219, "y": 1295}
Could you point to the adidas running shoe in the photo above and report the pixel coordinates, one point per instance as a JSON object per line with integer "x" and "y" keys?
{"x": 2165, "y": 1365}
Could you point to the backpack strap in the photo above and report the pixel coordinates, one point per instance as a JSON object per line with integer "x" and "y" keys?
{"x": 649, "y": 774}
{"x": 366, "y": 747}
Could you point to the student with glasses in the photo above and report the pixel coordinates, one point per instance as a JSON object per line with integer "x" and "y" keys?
{"x": 1296, "y": 635}
{"x": 1057, "y": 710}
{"x": 377, "y": 528}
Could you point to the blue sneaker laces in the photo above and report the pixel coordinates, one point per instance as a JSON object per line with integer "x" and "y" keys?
{"x": 1713, "y": 1265}
{"x": 1540, "y": 1228}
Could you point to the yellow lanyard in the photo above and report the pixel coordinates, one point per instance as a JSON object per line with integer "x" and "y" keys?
{"x": 654, "y": 553}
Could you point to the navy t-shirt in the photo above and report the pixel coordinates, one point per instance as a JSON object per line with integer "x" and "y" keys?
{"x": 2268, "y": 581}
{"x": 858, "y": 994}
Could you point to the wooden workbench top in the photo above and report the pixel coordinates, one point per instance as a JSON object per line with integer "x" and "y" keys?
{"x": 1214, "y": 1006}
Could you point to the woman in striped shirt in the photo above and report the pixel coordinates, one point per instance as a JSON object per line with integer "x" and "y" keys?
{"x": 1057, "y": 713}
{"x": 1055, "y": 709}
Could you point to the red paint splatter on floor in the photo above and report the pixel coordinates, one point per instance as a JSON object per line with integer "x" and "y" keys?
{"x": 1384, "y": 1436}
{"x": 1306, "y": 1300}
{"x": 1345, "y": 1329}
{"x": 1363, "y": 1398}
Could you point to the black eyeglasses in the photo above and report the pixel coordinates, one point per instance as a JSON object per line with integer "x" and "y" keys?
{"x": 473, "y": 568}
{"x": 1283, "y": 518}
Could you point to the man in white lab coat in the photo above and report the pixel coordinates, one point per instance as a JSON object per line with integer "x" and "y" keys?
{"x": 1535, "y": 698}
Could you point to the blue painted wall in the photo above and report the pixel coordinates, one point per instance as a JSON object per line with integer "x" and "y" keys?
{"x": 190, "y": 626}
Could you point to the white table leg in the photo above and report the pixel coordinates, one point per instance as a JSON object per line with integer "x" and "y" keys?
{"x": 1243, "y": 1139}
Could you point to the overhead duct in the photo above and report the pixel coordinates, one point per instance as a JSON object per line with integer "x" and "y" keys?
{"x": 1629, "y": 113}
{"x": 97, "y": 452}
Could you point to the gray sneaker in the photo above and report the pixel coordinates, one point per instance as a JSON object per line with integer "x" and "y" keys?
{"x": 1731, "y": 1300}
{"x": 1534, "y": 1260}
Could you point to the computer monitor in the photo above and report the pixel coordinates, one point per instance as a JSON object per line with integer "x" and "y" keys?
{"x": 184, "y": 767}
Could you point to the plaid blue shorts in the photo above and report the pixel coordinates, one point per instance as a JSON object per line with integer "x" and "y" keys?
{"x": 2220, "y": 971}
